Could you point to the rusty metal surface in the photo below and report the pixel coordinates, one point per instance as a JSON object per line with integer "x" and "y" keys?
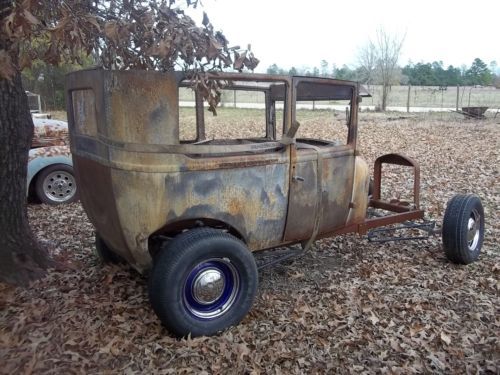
{"x": 337, "y": 183}
{"x": 396, "y": 159}
{"x": 303, "y": 197}
{"x": 322, "y": 173}
{"x": 474, "y": 112}
{"x": 49, "y": 152}
{"x": 253, "y": 200}
{"x": 393, "y": 206}
{"x": 396, "y": 211}
{"x": 49, "y": 132}
{"x": 390, "y": 219}
{"x": 99, "y": 200}
{"x": 370, "y": 223}
{"x": 137, "y": 180}
{"x": 359, "y": 200}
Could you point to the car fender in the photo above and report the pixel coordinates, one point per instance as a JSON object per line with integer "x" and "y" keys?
{"x": 359, "y": 200}
{"x": 42, "y": 157}
{"x": 49, "y": 133}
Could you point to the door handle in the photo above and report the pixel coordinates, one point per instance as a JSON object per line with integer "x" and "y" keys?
{"x": 297, "y": 178}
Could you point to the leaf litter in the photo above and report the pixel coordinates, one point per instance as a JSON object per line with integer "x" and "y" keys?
{"x": 346, "y": 306}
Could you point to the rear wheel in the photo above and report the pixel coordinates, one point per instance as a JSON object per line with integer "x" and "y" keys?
{"x": 56, "y": 185}
{"x": 202, "y": 282}
{"x": 463, "y": 229}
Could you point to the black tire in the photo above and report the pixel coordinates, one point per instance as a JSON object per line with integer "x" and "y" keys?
{"x": 463, "y": 229}
{"x": 56, "y": 184}
{"x": 104, "y": 253}
{"x": 202, "y": 255}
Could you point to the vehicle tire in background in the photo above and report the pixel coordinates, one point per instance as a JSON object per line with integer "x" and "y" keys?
{"x": 104, "y": 253}
{"x": 56, "y": 185}
{"x": 463, "y": 229}
{"x": 202, "y": 282}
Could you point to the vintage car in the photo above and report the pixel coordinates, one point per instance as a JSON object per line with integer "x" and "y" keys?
{"x": 193, "y": 207}
{"x": 50, "y": 168}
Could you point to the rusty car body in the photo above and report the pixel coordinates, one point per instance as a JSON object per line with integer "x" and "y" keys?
{"x": 149, "y": 191}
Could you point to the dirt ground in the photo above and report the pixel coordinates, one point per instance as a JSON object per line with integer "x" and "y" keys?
{"x": 348, "y": 306}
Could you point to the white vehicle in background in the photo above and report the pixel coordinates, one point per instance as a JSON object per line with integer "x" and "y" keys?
{"x": 50, "y": 167}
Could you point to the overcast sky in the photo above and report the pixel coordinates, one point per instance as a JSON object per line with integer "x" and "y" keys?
{"x": 302, "y": 33}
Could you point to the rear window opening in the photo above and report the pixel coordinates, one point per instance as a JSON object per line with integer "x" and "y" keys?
{"x": 246, "y": 114}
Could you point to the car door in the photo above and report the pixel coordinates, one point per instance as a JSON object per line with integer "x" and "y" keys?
{"x": 322, "y": 158}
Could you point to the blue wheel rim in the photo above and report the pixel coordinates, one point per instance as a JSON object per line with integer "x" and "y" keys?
{"x": 211, "y": 288}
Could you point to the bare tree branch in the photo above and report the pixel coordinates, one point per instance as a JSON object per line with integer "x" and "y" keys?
{"x": 379, "y": 59}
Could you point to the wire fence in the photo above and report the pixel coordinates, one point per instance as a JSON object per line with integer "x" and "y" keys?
{"x": 401, "y": 98}
{"x": 436, "y": 97}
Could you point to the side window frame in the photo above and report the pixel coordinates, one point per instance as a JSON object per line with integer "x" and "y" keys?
{"x": 271, "y": 127}
{"x": 352, "y": 120}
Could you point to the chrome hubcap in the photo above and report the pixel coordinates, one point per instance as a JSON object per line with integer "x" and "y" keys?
{"x": 211, "y": 288}
{"x": 59, "y": 186}
{"x": 208, "y": 286}
{"x": 473, "y": 230}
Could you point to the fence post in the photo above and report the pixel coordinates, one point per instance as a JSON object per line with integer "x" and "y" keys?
{"x": 234, "y": 98}
{"x": 40, "y": 104}
{"x": 408, "y": 100}
{"x": 458, "y": 95}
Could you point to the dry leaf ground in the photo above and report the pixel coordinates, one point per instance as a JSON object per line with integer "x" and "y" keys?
{"x": 348, "y": 306}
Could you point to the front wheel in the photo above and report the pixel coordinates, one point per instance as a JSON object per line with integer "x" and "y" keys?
{"x": 463, "y": 229}
{"x": 202, "y": 282}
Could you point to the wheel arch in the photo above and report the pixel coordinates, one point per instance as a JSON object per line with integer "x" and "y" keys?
{"x": 38, "y": 164}
{"x": 172, "y": 229}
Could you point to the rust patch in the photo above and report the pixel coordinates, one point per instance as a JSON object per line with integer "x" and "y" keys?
{"x": 235, "y": 207}
{"x": 127, "y": 132}
{"x": 47, "y": 152}
{"x": 49, "y": 133}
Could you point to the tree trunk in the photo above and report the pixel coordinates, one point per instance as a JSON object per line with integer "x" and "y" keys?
{"x": 385, "y": 93}
{"x": 21, "y": 258}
